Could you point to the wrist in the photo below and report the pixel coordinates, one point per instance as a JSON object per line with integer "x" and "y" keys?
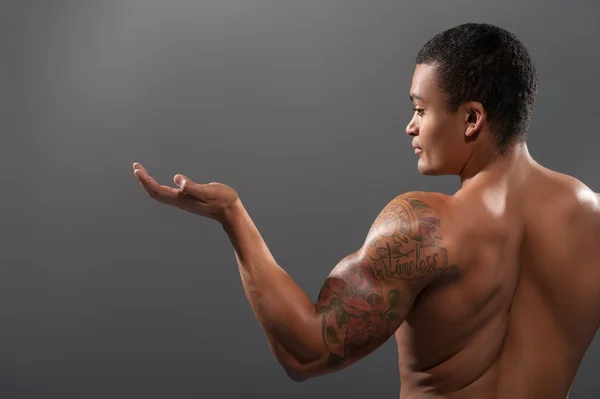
{"x": 232, "y": 212}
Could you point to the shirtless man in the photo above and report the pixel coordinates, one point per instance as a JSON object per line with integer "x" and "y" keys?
{"x": 493, "y": 292}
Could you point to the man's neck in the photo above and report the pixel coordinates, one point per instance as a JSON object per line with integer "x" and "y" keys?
{"x": 494, "y": 164}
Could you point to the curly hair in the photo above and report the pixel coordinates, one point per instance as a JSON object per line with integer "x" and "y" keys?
{"x": 485, "y": 63}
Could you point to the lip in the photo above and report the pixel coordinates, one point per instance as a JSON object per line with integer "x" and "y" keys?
{"x": 418, "y": 150}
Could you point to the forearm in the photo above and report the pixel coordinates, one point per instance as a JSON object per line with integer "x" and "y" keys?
{"x": 285, "y": 313}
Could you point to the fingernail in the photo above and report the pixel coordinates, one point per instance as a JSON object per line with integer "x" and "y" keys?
{"x": 178, "y": 180}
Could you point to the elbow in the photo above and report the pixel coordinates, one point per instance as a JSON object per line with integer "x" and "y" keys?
{"x": 298, "y": 368}
{"x": 297, "y": 373}
{"x": 296, "y": 376}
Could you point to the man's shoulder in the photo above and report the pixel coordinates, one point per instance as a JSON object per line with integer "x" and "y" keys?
{"x": 581, "y": 210}
{"x": 418, "y": 200}
{"x": 424, "y": 206}
{"x": 571, "y": 200}
{"x": 415, "y": 216}
{"x": 565, "y": 193}
{"x": 450, "y": 221}
{"x": 562, "y": 216}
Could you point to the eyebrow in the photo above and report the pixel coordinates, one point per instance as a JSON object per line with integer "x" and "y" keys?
{"x": 414, "y": 96}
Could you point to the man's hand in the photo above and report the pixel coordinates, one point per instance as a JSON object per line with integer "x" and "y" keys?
{"x": 212, "y": 200}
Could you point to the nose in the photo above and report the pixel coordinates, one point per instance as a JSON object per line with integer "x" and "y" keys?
{"x": 412, "y": 129}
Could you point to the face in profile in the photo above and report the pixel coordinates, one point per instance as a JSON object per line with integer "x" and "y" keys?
{"x": 437, "y": 135}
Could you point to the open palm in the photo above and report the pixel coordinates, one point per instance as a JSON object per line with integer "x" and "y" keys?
{"x": 211, "y": 200}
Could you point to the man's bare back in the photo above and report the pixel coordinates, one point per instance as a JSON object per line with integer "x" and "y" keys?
{"x": 517, "y": 320}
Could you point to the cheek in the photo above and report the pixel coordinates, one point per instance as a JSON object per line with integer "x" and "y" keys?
{"x": 437, "y": 130}
{"x": 430, "y": 132}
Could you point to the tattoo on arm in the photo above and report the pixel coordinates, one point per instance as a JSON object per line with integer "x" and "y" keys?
{"x": 369, "y": 293}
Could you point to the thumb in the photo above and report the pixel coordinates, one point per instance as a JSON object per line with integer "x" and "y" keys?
{"x": 188, "y": 186}
{"x": 182, "y": 181}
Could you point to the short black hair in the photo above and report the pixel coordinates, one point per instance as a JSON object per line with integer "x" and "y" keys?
{"x": 485, "y": 63}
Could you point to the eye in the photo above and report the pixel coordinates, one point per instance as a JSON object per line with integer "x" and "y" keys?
{"x": 419, "y": 111}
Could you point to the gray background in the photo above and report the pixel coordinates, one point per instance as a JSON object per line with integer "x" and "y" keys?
{"x": 299, "y": 105}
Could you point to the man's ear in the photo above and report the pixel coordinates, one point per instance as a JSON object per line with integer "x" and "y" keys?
{"x": 475, "y": 116}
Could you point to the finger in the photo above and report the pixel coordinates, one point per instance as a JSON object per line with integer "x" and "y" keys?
{"x": 165, "y": 194}
{"x": 199, "y": 191}
{"x": 137, "y": 165}
{"x": 141, "y": 173}
{"x": 145, "y": 179}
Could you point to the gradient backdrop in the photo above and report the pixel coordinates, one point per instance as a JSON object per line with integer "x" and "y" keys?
{"x": 301, "y": 106}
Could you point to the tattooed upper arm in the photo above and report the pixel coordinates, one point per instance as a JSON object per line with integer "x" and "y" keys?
{"x": 370, "y": 292}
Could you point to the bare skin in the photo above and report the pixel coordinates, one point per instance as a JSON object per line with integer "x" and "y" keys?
{"x": 517, "y": 322}
{"x": 491, "y": 293}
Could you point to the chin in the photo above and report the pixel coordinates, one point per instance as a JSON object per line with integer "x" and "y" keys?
{"x": 423, "y": 168}
{"x": 428, "y": 170}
